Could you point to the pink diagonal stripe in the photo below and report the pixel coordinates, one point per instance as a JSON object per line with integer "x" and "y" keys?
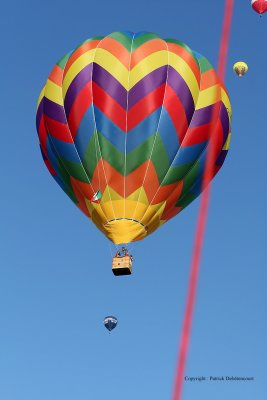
{"x": 202, "y": 216}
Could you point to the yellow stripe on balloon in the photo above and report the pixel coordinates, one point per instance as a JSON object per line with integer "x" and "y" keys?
{"x": 113, "y": 65}
{"x": 139, "y": 195}
{"x": 227, "y": 143}
{"x": 53, "y": 92}
{"x": 179, "y": 64}
{"x": 40, "y": 98}
{"x": 208, "y": 96}
{"x": 147, "y": 65}
{"x": 76, "y": 67}
{"x": 226, "y": 100}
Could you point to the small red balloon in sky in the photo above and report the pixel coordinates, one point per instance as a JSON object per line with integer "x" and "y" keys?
{"x": 260, "y": 6}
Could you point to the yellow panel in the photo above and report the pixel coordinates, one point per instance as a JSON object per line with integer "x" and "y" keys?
{"x": 111, "y": 64}
{"x": 152, "y": 211}
{"x": 143, "y": 219}
{"x": 226, "y": 100}
{"x": 147, "y": 65}
{"x": 208, "y": 96}
{"x": 124, "y": 231}
{"x": 110, "y": 194}
{"x": 76, "y": 67}
{"x": 139, "y": 195}
{"x": 227, "y": 143}
{"x": 187, "y": 74}
{"x": 114, "y": 195}
{"x": 41, "y": 95}
{"x": 53, "y": 92}
{"x": 155, "y": 217}
{"x": 96, "y": 211}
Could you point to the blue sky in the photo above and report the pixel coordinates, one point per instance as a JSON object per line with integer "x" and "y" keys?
{"x": 56, "y": 284}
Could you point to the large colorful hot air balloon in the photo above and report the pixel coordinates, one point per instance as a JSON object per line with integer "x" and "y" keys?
{"x": 260, "y": 6}
{"x": 124, "y": 122}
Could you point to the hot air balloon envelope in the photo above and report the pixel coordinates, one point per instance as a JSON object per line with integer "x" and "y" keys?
{"x": 110, "y": 323}
{"x": 124, "y": 124}
{"x": 240, "y": 68}
{"x": 260, "y": 6}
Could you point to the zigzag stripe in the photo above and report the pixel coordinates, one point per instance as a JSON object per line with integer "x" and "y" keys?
{"x": 80, "y": 106}
{"x": 141, "y": 51}
{"x": 189, "y": 175}
{"x": 78, "y": 83}
{"x": 140, "y": 133}
{"x": 85, "y": 48}
{"x": 119, "y": 94}
{"x": 56, "y": 113}
{"x": 185, "y": 155}
{"x": 113, "y": 65}
{"x": 133, "y": 160}
{"x": 154, "y": 95}
{"x": 136, "y": 136}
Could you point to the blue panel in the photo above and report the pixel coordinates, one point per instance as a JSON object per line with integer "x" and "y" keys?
{"x": 168, "y": 135}
{"x": 141, "y": 132}
{"x": 189, "y": 154}
{"x": 52, "y": 155}
{"x": 108, "y": 129}
{"x": 85, "y": 132}
{"x": 65, "y": 150}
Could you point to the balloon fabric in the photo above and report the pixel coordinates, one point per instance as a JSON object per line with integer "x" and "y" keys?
{"x": 124, "y": 122}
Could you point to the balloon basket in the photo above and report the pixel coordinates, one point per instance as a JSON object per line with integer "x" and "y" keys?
{"x": 122, "y": 265}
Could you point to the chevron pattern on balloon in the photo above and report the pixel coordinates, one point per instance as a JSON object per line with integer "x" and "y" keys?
{"x": 130, "y": 115}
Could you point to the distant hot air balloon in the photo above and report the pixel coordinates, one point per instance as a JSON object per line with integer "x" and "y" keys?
{"x": 124, "y": 123}
{"x": 260, "y": 6}
{"x": 110, "y": 323}
{"x": 240, "y": 68}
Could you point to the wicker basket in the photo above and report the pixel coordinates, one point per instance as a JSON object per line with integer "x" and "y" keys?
{"x": 122, "y": 265}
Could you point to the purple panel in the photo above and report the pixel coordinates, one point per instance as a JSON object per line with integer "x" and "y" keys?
{"x": 176, "y": 82}
{"x": 54, "y": 111}
{"x": 39, "y": 113}
{"x": 149, "y": 83}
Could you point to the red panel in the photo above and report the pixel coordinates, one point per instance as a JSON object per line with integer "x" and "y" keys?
{"x": 56, "y": 75}
{"x": 79, "y": 108}
{"x": 58, "y": 130}
{"x": 176, "y": 113}
{"x": 109, "y": 107}
{"x": 145, "y": 107}
{"x": 197, "y": 135}
{"x": 80, "y": 51}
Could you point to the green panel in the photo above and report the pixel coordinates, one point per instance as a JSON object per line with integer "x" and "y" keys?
{"x": 204, "y": 64}
{"x": 91, "y": 156}
{"x": 65, "y": 177}
{"x": 143, "y": 39}
{"x": 185, "y": 200}
{"x": 184, "y": 46}
{"x": 176, "y": 174}
{"x": 191, "y": 178}
{"x": 108, "y": 152}
{"x": 133, "y": 160}
{"x": 71, "y": 195}
{"x": 123, "y": 39}
{"x": 143, "y": 152}
{"x": 160, "y": 158}
{"x": 90, "y": 40}
{"x": 63, "y": 61}
{"x": 76, "y": 170}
